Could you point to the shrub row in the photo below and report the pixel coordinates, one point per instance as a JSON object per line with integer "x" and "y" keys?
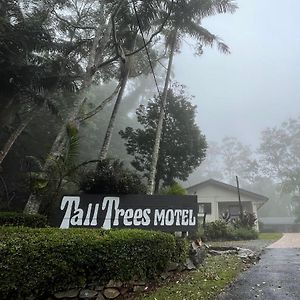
{"x": 37, "y": 262}
{"x": 21, "y": 219}
{"x": 220, "y": 230}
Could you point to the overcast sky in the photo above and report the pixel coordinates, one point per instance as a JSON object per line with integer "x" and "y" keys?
{"x": 258, "y": 84}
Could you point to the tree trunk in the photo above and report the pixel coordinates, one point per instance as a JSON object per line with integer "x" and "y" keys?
{"x": 152, "y": 173}
{"x": 60, "y": 141}
{"x": 156, "y": 186}
{"x": 33, "y": 203}
{"x": 13, "y": 137}
{"x": 95, "y": 58}
{"x": 109, "y": 131}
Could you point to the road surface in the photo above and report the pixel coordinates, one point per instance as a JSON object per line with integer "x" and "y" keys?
{"x": 275, "y": 277}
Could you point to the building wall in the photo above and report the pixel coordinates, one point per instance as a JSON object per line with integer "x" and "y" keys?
{"x": 215, "y": 195}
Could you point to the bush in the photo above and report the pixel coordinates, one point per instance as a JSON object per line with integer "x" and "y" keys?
{"x": 112, "y": 178}
{"x": 180, "y": 252}
{"x": 219, "y": 230}
{"x": 35, "y": 263}
{"x": 174, "y": 189}
{"x": 216, "y": 230}
{"x": 20, "y": 219}
{"x": 248, "y": 220}
{"x": 242, "y": 234}
{"x": 198, "y": 233}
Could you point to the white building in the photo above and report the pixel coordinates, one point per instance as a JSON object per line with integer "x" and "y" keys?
{"x": 216, "y": 198}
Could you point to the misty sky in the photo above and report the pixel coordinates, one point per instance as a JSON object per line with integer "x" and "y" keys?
{"x": 258, "y": 85}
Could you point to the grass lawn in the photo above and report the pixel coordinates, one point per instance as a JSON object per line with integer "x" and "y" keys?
{"x": 213, "y": 277}
{"x": 264, "y": 240}
{"x": 270, "y": 235}
{"x": 205, "y": 283}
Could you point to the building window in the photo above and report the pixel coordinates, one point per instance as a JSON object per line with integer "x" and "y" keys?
{"x": 234, "y": 210}
{"x": 205, "y": 208}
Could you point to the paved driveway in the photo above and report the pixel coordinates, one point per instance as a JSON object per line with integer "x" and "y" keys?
{"x": 275, "y": 277}
{"x": 289, "y": 240}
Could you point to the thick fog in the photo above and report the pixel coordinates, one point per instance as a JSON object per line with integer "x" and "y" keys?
{"x": 257, "y": 85}
{"x": 238, "y": 96}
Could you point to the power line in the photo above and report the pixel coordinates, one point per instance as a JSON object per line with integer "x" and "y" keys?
{"x": 146, "y": 48}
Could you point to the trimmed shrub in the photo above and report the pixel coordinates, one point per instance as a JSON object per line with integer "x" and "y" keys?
{"x": 35, "y": 263}
{"x": 21, "y": 219}
{"x": 181, "y": 250}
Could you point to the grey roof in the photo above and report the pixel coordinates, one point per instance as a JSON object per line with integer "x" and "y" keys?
{"x": 229, "y": 187}
{"x": 277, "y": 220}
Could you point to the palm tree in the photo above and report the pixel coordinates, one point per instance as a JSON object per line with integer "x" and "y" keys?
{"x": 112, "y": 20}
{"x": 186, "y": 20}
{"x": 149, "y": 11}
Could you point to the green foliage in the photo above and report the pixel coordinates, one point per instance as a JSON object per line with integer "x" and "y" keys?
{"x": 247, "y": 220}
{"x": 181, "y": 250}
{"x": 174, "y": 189}
{"x": 270, "y": 236}
{"x": 242, "y": 233}
{"x": 199, "y": 232}
{"x": 21, "y": 219}
{"x": 280, "y": 160}
{"x": 220, "y": 230}
{"x": 207, "y": 283}
{"x": 111, "y": 177}
{"x": 182, "y": 146}
{"x": 48, "y": 178}
{"x": 37, "y": 262}
{"x": 217, "y": 230}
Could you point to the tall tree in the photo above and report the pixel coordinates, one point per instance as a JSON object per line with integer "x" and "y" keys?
{"x": 186, "y": 20}
{"x": 103, "y": 30}
{"x": 182, "y": 145}
{"x": 31, "y": 68}
{"x": 280, "y": 155}
{"x": 238, "y": 160}
{"x": 140, "y": 17}
{"x": 228, "y": 159}
{"x": 280, "y": 161}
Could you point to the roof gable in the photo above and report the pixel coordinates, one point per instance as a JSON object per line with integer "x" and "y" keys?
{"x": 229, "y": 187}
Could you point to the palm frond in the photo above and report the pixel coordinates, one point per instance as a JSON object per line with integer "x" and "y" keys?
{"x": 205, "y": 37}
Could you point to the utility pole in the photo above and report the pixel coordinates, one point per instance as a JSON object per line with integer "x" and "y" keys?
{"x": 239, "y": 195}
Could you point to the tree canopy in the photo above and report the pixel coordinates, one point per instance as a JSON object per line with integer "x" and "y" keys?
{"x": 183, "y": 146}
{"x": 62, "y": 63}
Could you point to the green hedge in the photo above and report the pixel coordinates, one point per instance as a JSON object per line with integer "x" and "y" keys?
{"x": 220, "y": 230}
{"x": 180, "y": 252}
{"x": 37, "y": 262}
{"x": 21, "y": 219}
